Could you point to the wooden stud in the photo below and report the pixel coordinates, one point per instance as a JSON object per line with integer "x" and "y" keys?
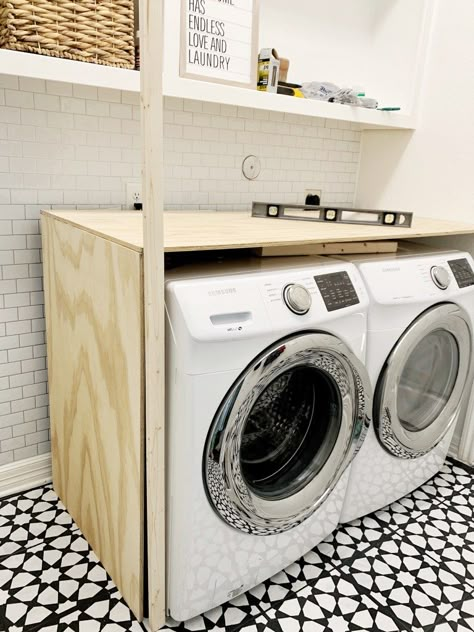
{"x": 348, "y": 248}
{"x": 151, "y": 60}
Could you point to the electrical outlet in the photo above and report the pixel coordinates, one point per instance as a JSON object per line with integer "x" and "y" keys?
{"x": 134, "y": 193}
{"x": 311, "y": 193}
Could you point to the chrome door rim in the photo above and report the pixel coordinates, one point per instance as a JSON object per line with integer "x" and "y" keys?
{"x": 228, "y": 492}
{"x": 393, "y": 436}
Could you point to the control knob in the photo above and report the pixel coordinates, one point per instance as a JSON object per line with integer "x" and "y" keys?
{"x": 297, "y": 298}
{"x": 440, "y": 277}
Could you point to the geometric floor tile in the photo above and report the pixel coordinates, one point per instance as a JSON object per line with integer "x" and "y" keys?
{"x": 407, "y": 567}
{"x": 49, "y": 577}
{"x": 332, "y": 603}
{"x": 408, "y": 584}
{"x": 31, "y": 518}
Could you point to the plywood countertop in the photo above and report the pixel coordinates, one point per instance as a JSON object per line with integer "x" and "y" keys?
{"x": 211, "y": 230}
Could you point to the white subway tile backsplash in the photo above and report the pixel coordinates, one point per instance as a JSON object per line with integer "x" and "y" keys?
{"x": 16, "y": 300}
{"x": 26, "y": 403}
{"x": 25, "y": 453}
{"x": 12, "y": 444}
{"x": 37, "y": 437}
{"x": 42, "y": 400}
{"x": 69, "y": 145}
{"x": 48, "y": 102}
{"x": 59, "y": 88}
{"x": 9, "y": 115}
{"x": 34, "y": 389}
{"x": 9, "y": 342}
{"x": 11, "y": 394}
{"x": 34, "y": 414}
{"x": 17, "y": 354}
{"x": 5, "y": 408}
{"x": 30, "y": 84}
{"x": 5, "y": 433}
{"x": 23, "y": 379}
{"x": 27, "y": 313}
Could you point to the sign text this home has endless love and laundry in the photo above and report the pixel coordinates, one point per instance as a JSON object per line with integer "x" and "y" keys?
{"x": 219, "y": 40}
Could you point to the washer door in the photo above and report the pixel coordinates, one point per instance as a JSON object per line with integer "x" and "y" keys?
{"x": 420, "y": 389}
{"x": 285, "y": 433}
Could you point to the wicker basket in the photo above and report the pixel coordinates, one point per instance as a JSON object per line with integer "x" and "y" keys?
{"x": 97, "y": 31}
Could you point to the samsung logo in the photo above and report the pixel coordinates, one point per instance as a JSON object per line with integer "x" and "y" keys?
{"x": 392, "y": 269}
{"x": 226, "y": 290}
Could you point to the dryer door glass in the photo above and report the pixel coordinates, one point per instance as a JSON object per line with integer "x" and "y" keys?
{"x": 285, "y": 433}
{"x": 420, "y": 390}
{"x": 427, "y": 380}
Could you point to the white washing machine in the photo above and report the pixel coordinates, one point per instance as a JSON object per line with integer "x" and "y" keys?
{"x": 419, "y": 347}
{"x": 268, "y": 400}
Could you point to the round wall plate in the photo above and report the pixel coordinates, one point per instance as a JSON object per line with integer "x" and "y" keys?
{"x": 251, "y": 167}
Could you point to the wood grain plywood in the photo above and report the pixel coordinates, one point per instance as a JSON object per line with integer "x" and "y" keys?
{"x": 94, "y": 318}
{"x": 213, "y": 231}
{"x": 210, "y": 230}
{"x": 122, "y": 227}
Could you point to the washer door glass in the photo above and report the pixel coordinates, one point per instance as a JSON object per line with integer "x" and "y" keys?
{"x": 290, "y": 432}
{"x": 421, "y": 387}
{"x": 285, "y": 433}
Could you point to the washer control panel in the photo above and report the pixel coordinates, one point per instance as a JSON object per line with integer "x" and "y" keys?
{"x": 440, "y": 277}
{"x": 297, "y": 298}
{"x": 336, "y": 290}
{"x": 462, "y": 272}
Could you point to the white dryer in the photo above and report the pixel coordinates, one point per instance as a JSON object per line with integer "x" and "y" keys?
{"x": 419, "y": 348}
{"x": 268, "y": 400}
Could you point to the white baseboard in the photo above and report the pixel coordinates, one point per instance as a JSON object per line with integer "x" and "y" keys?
{"x": 25, "y": 474}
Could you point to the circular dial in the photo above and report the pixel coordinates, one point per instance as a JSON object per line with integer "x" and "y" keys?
{"x": 440, "y": 277}
{"x": 297, "y": 298}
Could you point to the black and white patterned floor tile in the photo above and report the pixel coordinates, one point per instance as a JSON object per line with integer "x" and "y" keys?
{"x": 50, "y": 580}
{"x": 407, "y": 567}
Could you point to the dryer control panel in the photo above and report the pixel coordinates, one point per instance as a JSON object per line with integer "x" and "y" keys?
{"x": 405, "y": 279}
{"x": 462, "y": 272}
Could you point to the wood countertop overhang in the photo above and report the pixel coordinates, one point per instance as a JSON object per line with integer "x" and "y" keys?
{"x": 187, "y": 231}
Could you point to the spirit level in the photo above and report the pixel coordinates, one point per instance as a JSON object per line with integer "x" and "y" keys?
{"x": 334, "y": 214}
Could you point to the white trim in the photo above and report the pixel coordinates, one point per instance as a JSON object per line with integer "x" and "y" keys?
{"x": 25, "y": 474}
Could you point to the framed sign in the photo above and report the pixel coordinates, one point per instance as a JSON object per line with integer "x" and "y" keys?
{"x": 219, "y": 40}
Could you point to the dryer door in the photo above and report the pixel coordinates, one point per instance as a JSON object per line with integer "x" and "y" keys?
{"x": 420, "y": 390}
{"x": 285, "y": 433}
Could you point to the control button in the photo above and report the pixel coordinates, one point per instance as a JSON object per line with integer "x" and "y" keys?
{"x": 440, "y": 277}
{"x": 297, "y": 298}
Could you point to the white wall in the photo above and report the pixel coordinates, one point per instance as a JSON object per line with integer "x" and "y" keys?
{"x": 68, "y": 146}
{"x": 368, "y": 43}
{"x": 430, "y": 171}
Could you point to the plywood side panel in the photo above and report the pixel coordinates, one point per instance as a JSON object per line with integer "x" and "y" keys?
{"x": 94, "y": 317}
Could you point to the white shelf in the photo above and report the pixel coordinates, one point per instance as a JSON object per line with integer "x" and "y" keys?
{"x": 244, "y": 97}
{"x": 52, "y": 68}
{"x": 55, "y": 69}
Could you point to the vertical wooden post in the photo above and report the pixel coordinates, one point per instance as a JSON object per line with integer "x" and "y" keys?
{"x": 151, "y": 62}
